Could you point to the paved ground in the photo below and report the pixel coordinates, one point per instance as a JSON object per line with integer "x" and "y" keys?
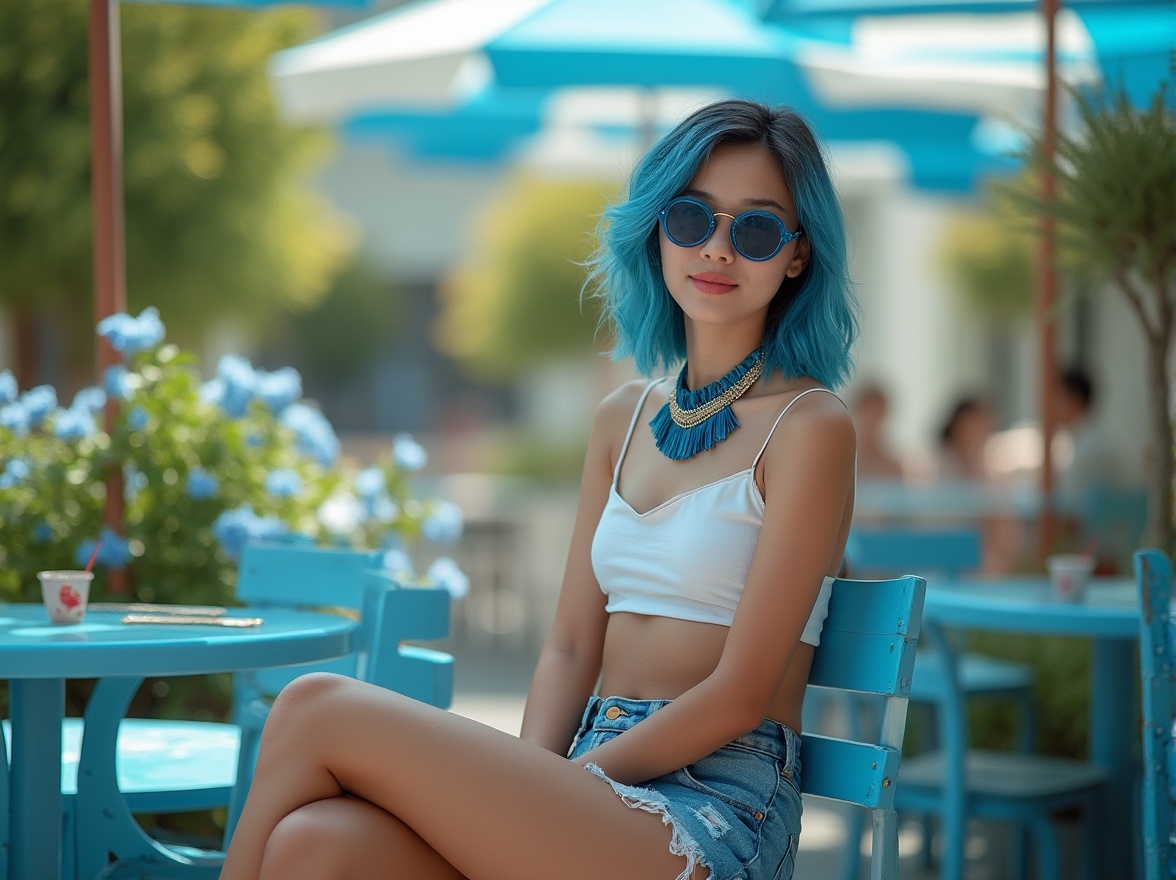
{"x": 491, "y": 683}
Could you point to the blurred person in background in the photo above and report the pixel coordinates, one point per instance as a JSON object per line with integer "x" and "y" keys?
{"x": 1093, "y": 459}
{"x": 713, "y": 516}
{"x": 963, "y": 439}
{"x": 874, "y": 459}
{"x": 963, "y": 467}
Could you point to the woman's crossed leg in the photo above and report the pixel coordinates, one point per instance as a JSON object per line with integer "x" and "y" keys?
{"x": 432, "y": 795}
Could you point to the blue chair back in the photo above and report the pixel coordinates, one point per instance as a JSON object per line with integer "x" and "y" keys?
{"x": 305, "y": 576}
{"x": 405, "y": 613}
{"x": 1114, "y": 519}
{"x": 867, "y": 646}
{"x": 1153, "y": 572}
{"x": 898, "y": 549}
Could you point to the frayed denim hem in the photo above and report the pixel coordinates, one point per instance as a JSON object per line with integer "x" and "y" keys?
{"x": 681, "y": 843}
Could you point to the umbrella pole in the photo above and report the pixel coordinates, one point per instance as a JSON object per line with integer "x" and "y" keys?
{"x": 110, "y": 295}
{"x": 1046, "y": 294}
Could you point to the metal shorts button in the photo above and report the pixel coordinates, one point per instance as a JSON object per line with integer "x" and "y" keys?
{"x": 613, "y": 713}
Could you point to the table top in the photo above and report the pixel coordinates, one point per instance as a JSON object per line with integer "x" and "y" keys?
{"x": 101, "y": 646}
{"x": 1025, "y": 603}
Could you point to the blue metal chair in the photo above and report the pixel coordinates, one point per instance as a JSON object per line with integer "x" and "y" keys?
{"x": 879, "y": 551}
{"x": 218, "y": 772}
{"x": 867, "y": 647}
{"x": 1153, "y": 572}
{"x": 956, "y": 783}
{"x": 1113, "y": 521}
{"x": 4, "y": 830}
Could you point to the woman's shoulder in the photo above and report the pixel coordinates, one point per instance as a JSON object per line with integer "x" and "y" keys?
{"x": 809, "y": 409}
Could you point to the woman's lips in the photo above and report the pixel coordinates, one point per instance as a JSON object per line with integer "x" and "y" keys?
{"x": 710, "y": 283}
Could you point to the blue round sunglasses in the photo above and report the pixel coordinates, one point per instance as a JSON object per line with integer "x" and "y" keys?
{"x": 756, "y": 235}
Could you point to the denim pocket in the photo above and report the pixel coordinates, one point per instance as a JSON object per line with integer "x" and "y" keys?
{"x": 745, "y": 779}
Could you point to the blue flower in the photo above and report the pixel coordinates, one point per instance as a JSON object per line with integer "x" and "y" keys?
{"x": 129, "y": 335}
{"x": 137, "y": 419}
{"x": 444, "y": 523}
{"x": 381, "y": 509}
{"x": 73, "y": 424}
{"x": 15, "y": 418}
{"x": 115, "y": 552}
{"x": 444, "y": 572}
{"x": 408, "y": 454}
{"x": 8, "y": 389}
{"x": 201, "y": 484}
{"x": 90, "y": 399}
{"x": 118, "y": 382}
{"x": 240, "y": 526}
{"x": 15, "y": 472}
{"x": 238, "y": 385}
{"x": 398, "y": 564}
{"x": 279, "y": 389}
{"x": 314, "y": 435}
{"x": 134, "y": 482}
{"x": 283, "y": 483}
{"x": 38, "y": 403}
{"x": 370, "y": 483}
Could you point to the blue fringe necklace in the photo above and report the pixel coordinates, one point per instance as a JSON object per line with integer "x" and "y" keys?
{"x": 694, "y": 421}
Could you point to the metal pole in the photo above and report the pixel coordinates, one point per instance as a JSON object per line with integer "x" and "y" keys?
{"x": 1047, "y": 285}
{"x": 110, "y": 286}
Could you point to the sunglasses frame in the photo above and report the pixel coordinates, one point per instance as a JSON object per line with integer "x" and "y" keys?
{"x": 785, "y": 235}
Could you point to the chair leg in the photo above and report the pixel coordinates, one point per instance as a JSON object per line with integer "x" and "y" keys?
{"x": 884, "y": 845}
{"x": 1045, "y": 841}
{"x": 851, "y": 857}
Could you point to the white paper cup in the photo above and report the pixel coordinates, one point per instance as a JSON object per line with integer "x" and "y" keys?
{"x": 1068, "y": 573}
{"x": 66, "y": 594}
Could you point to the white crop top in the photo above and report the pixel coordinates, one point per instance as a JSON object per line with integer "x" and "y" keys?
{"x": 688, "y": 558}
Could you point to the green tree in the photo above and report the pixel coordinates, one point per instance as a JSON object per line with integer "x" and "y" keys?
{"x": 218, "y": 219}
{"x": 516, "y": 298}
{"x": 1116, "y": 222}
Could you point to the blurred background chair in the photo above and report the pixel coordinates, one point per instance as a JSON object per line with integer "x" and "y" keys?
{"x": 956, "y": 783}
{"x": 1113, "y": 519}
{"x": 946, "y": 553}
{"x": 168, "y": 766}
{"x": 1153, "y": 572}
{"x": 867, "y": 647}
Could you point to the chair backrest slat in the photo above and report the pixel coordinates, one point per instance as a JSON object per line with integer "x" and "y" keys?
{"x": 1153, "y": 572}
{"x": 867, "y": 646}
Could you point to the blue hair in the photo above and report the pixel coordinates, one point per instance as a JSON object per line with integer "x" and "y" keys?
{"x": 812, "y": 320}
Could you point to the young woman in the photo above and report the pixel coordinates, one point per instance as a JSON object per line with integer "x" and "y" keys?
{"x": 713, "y": 511}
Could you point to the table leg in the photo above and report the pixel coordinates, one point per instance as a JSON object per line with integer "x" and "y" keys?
{"x": 35, "y": 794}
{"x": 1112, "y": 729}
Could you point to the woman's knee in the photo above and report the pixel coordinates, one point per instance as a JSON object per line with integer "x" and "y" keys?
{"x": 306, "y": 843}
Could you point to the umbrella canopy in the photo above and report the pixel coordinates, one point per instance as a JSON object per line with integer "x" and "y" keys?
{"x": 439, "y": 90}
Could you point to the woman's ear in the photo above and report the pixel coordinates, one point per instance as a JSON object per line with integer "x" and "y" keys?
{"x": 800, "y": 258}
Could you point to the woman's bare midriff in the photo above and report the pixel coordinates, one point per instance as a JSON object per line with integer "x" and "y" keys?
{"x": 659, "y": 658}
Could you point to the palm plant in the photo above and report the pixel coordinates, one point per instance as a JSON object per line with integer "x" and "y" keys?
{"x": 1115, "y": 215}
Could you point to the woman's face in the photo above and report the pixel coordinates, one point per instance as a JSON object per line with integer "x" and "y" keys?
{"x": 712, "y": 282}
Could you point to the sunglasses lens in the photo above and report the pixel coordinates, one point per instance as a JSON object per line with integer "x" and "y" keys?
{"x": 687, "y": 223}
{"x": 758, "y": 236}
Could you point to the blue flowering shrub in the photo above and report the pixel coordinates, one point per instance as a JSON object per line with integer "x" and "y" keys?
{"x": 206, "y": 468}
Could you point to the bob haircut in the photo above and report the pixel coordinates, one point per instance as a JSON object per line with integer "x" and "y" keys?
{"x": 812, "y": 320}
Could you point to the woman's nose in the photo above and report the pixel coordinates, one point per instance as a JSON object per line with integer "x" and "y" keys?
{"x": 719, "y": 246}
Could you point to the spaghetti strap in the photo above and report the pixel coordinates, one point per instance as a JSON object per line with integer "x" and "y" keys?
{"x": 775, "y": 423}
{"x": 632, "y": 425}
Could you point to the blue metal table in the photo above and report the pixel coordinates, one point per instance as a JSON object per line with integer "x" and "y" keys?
{"x": 1109, "y": 616}
{"x": 37, "y": 657}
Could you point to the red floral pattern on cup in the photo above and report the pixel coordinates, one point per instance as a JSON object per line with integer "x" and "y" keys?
{"x": 69, "y": 597}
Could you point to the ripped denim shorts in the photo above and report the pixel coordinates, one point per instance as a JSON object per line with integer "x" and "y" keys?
{"x": 737, "y": 811}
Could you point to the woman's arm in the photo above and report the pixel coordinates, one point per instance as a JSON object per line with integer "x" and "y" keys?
{"x": 808, "y": 477}
{"x": 569, "y": 664}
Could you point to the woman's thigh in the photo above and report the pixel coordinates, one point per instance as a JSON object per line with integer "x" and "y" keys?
{"x": 490, "y": 804}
